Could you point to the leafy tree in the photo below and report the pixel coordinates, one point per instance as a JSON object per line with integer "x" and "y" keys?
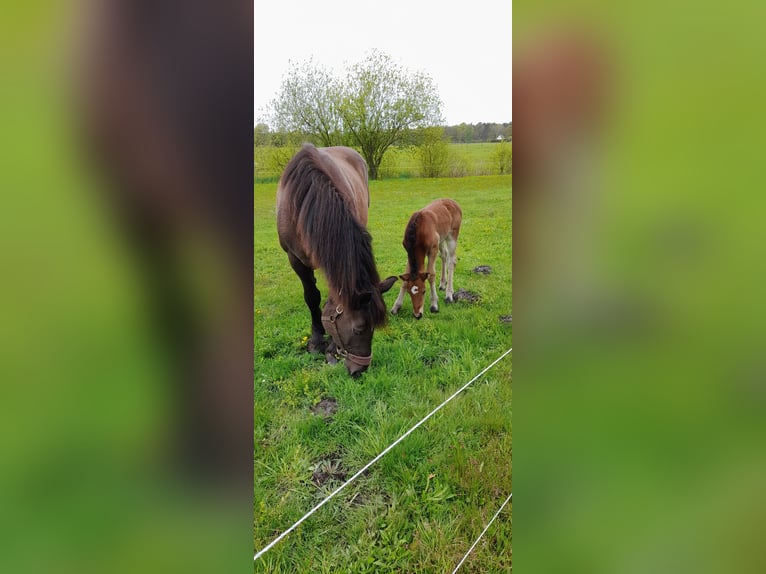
{"x": 261, "y": 135}
{"x": 465, "y": 133}
{"x": 373, "y": 108}
{"x": 308, "y": 103}
{"x": 382, "y": 101}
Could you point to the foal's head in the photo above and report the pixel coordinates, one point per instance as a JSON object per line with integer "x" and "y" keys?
{"x": 415, "y": 285}
{"x": 351, "y": 326}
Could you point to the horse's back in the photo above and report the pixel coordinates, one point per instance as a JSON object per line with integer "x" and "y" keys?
{"x": 343, "y": 168}
{"x": 353, "y": 167}
{"x": 447, "y": 216}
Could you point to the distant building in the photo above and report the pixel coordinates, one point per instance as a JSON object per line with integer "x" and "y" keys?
{"x": 500, "y": 138}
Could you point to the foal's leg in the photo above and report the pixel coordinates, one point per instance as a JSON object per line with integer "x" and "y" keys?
{"x": 313, "y": 298}
{"x": 444, "y": 254}
{"x": 432, "y": 279}
{"x": 402, "y": 290}
{"x": 451, "y": 261}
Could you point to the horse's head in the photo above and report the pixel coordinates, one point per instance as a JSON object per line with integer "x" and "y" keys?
{"x": 416, "y": 287}
{"x": 352, "y": 325}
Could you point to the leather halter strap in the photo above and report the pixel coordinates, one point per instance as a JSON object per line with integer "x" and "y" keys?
{"x": 340, "y": 347}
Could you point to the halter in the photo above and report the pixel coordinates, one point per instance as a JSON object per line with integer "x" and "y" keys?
{"x": 340, "y": 347}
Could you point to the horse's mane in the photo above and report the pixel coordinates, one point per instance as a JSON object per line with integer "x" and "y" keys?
{"x": 410, "y": 240}
{"x": 341, "y": 246}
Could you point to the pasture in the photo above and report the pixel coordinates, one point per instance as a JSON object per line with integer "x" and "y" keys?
{"x": 398, "y": 162}
{"x": 422, "y": 505}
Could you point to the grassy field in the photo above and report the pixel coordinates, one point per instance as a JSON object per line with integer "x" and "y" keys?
{"x": 422, "y": 505}
{"x": 398, "y": 163}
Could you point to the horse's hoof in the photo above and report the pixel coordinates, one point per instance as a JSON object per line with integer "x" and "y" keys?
{"x": 394, "y": 311}
{"x": 317, "y": 346}
{"x": 434, "y": 309}
{"x": 449, "y": 300}
{"x": 331, "y": 359}
{"x": 419, "y": 316}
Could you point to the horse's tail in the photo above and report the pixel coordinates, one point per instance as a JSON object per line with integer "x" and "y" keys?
{"x": 340, "y": 245}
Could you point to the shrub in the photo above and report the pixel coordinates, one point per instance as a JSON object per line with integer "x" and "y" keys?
{"x": 459, "y": 165}
{"x": 433, "y": 154}
{"x": 502, "y": 158}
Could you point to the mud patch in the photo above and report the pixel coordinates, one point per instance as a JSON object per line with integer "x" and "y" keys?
{"x": 327, "y": 469}
{"x": 359, "y": 499}
{"x": 463, "y": 295}
{"x": 506, "y": 318}
{"x": 483, "y": 269}
{"x": 325, "y": 408}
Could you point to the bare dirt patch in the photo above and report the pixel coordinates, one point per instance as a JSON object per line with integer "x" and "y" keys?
{"x": 327, "y": 469}
{"x": 506, "y": 318}
{"x": 463, "y": 295}
{"x": 483, "y": 269}
{"x": 325, "y": 408}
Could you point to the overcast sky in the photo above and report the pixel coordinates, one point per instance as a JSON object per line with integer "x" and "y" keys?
{"x": 464, "y": 46}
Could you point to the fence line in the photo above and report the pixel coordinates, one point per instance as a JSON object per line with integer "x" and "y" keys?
{"x": 459, "y": 564}
{"x": 376, "y": 459}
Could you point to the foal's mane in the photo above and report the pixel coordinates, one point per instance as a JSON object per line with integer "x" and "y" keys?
{"x": 341, "y": 246}
{"x": 410, "y": 241}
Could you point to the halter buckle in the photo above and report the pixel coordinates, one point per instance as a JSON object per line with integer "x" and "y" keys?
{"x": 338, "y": 313}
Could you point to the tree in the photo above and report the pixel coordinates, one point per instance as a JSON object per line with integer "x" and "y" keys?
{"x": 372, "y": 108}
{"x": 308, "y": 102}
{"x": 261, "y": 135}
{"x": 382, "y": 101}
{"x": 465, "y": 133}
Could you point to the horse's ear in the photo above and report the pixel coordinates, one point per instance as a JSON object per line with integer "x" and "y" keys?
{"x": 424, "y": 276}
{"x": 402, "y": 277}
{"x": 386, "y": 284}
{"x": 363, "y": 299}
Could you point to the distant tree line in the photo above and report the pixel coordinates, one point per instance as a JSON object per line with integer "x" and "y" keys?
{"x": 481, "y": 132}
{"x": 461, "y": 133}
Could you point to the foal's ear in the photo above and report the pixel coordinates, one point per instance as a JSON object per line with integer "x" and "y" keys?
{"x": 386, "y": 284}
{"x": 402, "y": 277}
{"x": 424, "y": 276}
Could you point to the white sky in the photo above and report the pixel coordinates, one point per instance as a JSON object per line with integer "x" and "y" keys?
{"x": 464, "y": 46}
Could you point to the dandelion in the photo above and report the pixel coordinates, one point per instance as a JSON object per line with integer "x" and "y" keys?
{"x": 306, "y": 338}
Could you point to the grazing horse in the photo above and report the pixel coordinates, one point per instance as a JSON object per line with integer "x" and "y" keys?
{"x": 433, "y": 228}
{"x": 322, "y": 202}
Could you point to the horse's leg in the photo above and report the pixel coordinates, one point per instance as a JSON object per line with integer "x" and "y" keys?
{"x": 444, "y": 254}
{"x": 432, "y": 279}
{"x": 451, "y": 261}
{"x": 313, "y": 298}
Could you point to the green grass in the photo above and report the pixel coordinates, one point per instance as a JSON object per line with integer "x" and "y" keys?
{"x": 398, "y": 162}
{"x": 422, "y": 505}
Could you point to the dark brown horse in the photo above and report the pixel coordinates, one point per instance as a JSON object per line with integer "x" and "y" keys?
{"x": 431, "y": 230}
{"x": 322, "y": 202}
